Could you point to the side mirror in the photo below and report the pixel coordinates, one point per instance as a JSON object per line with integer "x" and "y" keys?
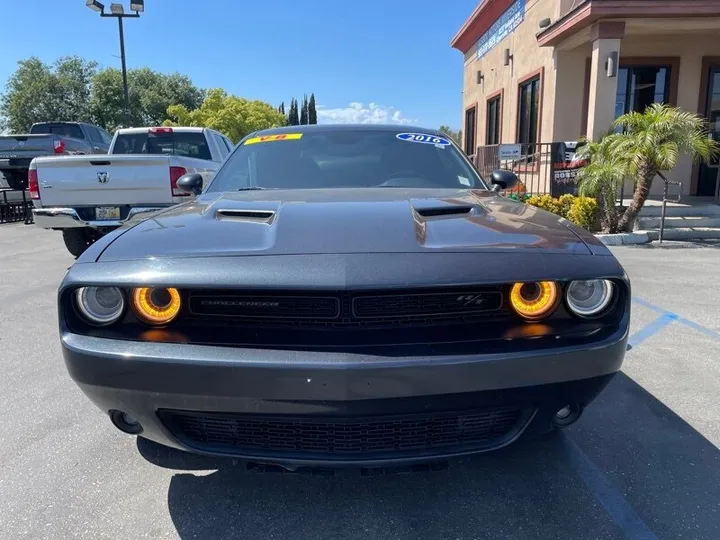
{"x": 502, "y": 179}
{"x": 191, "y": 183}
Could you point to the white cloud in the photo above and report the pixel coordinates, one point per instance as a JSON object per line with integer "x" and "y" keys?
{"x": 358, "y": 113}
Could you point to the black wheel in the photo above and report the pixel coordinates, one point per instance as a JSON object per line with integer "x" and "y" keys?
{"x": 78, "y": 240}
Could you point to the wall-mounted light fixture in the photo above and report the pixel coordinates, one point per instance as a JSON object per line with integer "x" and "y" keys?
{"x": 508, "y": 57}
{"x": 611, "y": 65}
{"x": 480, "y": 77}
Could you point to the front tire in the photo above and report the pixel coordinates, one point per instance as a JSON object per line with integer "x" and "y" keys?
{"x": 77, "y": 240}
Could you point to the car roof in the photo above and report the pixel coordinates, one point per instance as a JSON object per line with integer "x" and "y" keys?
{"x": 330, "y": 128}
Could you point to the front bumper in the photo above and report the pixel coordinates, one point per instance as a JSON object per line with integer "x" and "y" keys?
{"x": 278, "y": 395}
{"x": 66, "y": 218}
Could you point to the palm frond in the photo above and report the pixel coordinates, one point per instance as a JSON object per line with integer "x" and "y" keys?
{"x": 667, "y": 155}
{"x": 659, "y": 135}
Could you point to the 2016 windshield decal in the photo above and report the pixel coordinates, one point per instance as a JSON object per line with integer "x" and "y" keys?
{"x": 424, "y": 138}
{"x": 280, "y": 137}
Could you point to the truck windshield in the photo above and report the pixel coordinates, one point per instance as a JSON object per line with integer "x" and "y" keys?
{"x": 190, "y": 144}
{"x": 346, "y": 159}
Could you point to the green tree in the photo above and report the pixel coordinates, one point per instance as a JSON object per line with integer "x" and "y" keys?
{"x": 281, "y": 108}
{"x": 312, "y": 111}
{"x": 653, "y": 141}
{"x": 293, "y": 116}
{"x": 454, "y": 135}
{"x": 150, "y": 95}
{"x": 602, "y": 177}
{"x": 304, "y": 111}
{"x": 38, "y": 92}
{"x": 234, "y": 116}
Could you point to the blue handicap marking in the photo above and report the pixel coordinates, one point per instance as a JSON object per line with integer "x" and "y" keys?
{"x": 424, "y": 138}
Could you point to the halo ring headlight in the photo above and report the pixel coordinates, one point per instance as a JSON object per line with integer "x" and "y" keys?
{"x": 100, "y": 306}
{"x": 156, "y": 305}
{"x": 534, "y": 300}
{"x": 590, "y": 297}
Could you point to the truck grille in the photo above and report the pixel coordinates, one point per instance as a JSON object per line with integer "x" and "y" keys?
{"x": 346, "y": 438}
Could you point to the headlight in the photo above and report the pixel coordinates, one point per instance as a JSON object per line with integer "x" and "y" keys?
{"x": 535, "y": 300}
{"x": 588, "y": 298}
{"x": 100, "y": 305}
{"x": 156, "y": 305}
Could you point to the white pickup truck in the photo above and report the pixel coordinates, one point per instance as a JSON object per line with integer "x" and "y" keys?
{"x": 88, "y": 196}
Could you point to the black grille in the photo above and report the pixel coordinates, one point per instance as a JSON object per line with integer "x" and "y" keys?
{"x": 266, "y": 306}
{"x": 345, "y": 438}
{"x": 423, "y": 304}
{"x": 348, "y": 309}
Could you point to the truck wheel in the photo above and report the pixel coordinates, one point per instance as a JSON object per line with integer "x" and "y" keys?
{"x": 78, "y": 240}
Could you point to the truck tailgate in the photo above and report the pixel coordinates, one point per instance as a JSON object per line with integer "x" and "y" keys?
{"x": 26, "y": 146}
{"x": 104, "y": 180}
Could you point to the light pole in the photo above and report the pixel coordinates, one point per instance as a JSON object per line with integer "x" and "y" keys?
{"x": 117, "y": 11}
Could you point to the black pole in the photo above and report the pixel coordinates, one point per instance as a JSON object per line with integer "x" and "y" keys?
{"x": 124, "y": 72}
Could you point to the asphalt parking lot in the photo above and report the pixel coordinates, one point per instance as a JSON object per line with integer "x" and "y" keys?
{"x": 643, "y": 463}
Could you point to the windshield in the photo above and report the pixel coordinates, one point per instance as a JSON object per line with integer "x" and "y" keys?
{"x": 346, "y": 159}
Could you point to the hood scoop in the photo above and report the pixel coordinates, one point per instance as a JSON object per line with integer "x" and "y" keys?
{"x": 445, "y": 211}
{"x": 255, "y": 216}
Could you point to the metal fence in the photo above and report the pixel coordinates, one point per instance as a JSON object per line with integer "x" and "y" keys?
{"x": 542, "y": 168}
{"x": 13, "y": 211}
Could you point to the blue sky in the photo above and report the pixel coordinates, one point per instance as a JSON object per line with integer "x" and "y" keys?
{"x": 393, "y": 54}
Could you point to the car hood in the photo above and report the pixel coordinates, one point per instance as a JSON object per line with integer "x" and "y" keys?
{"x": 371, "y": 220}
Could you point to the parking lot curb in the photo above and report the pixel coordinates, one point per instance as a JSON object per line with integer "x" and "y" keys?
{"x": 624, "y": 239}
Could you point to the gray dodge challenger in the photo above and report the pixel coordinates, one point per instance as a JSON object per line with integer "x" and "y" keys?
{"x": 345, "y": 296}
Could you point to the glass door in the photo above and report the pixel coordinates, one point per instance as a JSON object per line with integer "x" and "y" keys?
{"x": 641, "y": 86}
{"x": 708, "y": 185}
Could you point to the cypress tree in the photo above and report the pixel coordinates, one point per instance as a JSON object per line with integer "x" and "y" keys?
{"x": 293, "y": 119}
{"x": 312, "y": 112}
{"x": 304, "y": 111}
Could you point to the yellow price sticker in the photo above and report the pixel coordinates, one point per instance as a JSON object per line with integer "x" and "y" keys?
{"x": 280, "y": 137}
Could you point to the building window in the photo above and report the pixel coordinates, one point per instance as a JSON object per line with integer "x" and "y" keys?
{"x": 641, "y": 86}
{"x": 494, "y": 110}
{"x": 528, "y": 107}
{"x": 470, "y": 128}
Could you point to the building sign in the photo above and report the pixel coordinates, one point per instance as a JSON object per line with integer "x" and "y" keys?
{"x": 564, "y": 168}
{"x": 508, "y": 152}
{"x": 500, "y": 29}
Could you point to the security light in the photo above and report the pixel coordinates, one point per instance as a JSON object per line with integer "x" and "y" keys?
{"x": 137, "y": 5}
{"x": 95, "y": 5}
{"x": 116, "y": 9}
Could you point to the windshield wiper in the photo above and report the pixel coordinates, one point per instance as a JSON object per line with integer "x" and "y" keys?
{"x": 250, "y": 188}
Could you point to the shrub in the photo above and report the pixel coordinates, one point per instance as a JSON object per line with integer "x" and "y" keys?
{"x": 583, "y": 211}
{"x": 545, "y": 202}
{"x": 565, "y": 202}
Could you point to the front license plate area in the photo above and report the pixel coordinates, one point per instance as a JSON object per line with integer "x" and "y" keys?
{"x": 107, "y": 212}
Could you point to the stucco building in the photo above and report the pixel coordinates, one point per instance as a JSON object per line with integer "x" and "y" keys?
{"x": 543, "y": 71}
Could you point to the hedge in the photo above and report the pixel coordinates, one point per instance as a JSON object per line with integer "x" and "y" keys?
{"x": 582, "y": 211}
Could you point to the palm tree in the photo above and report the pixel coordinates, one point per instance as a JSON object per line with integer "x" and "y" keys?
{"x": 653, "y": 142}
{"x": 602, "y": 176}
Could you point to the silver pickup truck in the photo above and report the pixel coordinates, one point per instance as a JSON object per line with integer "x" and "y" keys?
{"x": 88, "y": 196}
